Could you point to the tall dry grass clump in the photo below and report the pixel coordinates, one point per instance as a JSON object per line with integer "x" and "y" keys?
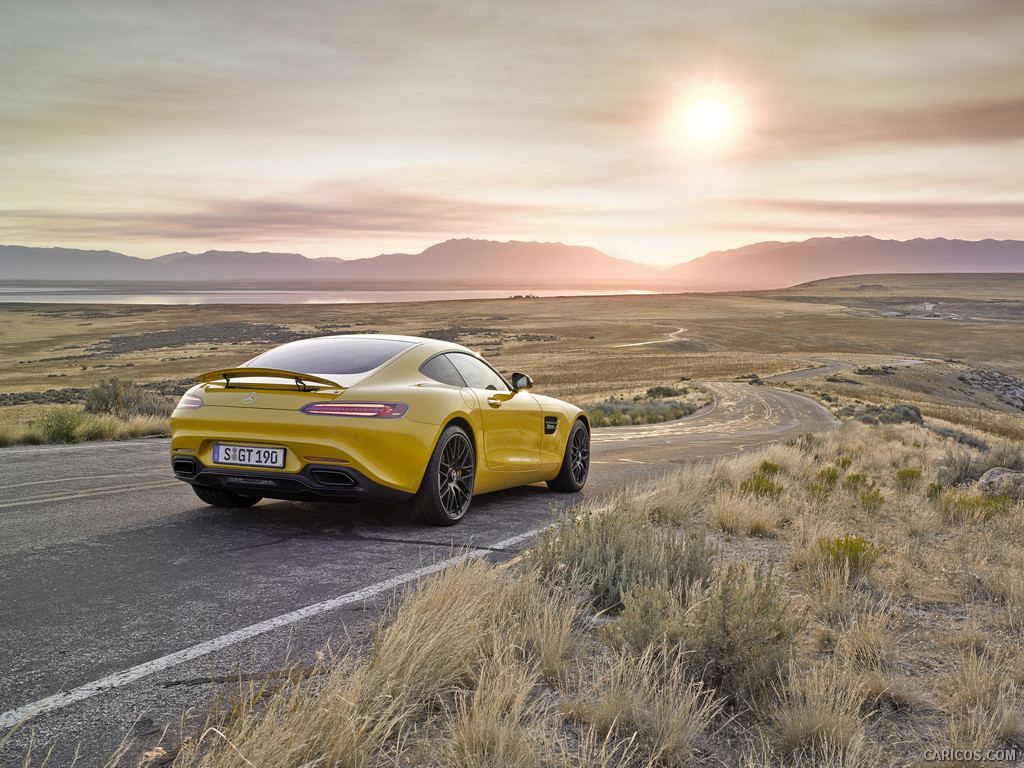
{"x": 648, "y": 699}
{"x": 819, "y": 718}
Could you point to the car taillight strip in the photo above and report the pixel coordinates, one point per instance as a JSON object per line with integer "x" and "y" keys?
{"x": 190, "y": 401}
{"x": 359, "y": 410}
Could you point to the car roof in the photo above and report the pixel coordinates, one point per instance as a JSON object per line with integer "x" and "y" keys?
{"x": 418, "y": 340}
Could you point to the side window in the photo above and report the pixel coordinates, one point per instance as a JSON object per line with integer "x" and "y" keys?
{"x": 477, "y": 373}
{"x": 440, "y": 369}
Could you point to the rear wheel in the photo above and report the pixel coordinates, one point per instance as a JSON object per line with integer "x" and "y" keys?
{"x": 576, "y": 462}
{"x": 447, "y": 487}
{"x": 218, "y": 497}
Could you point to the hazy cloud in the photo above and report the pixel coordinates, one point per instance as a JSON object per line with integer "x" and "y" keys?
{"x": 963, "y": 122}
{"x": 377, "y": 213}
{"x": 1013, "y": 209}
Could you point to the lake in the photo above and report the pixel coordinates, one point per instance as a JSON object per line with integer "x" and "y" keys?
{"x": 128, "y": 293}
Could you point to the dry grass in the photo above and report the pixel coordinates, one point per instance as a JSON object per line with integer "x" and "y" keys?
{"x": 50, "y": 425}
{"x": 819, "y": 717}
{"x": 758, "y": 650}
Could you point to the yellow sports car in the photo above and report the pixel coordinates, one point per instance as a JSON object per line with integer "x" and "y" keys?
{"x": 396, "y": 419}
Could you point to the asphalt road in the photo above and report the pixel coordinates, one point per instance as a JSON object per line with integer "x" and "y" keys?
{"x": 111, "y": 569}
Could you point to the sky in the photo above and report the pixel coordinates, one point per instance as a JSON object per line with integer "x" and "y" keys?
{"x": 654, "y": 130}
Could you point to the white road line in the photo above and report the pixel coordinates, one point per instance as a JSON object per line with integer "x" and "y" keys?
{"x": 13, "y": 717}
{"x": 43, "y": 498}
{"x": 14, "y": 450}
{"x": 131, "y": 476}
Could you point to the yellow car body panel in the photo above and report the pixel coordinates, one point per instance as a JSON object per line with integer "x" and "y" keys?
{"x": 517, "y": 437}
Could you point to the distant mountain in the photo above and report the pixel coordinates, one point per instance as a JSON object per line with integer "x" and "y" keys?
{"x": 19, "y": 262}
{"x": 779, "y": 265}
{"x": 517, "y": 265}
{"x": 489, "y": 262}
{"x": 462, "y": 263}
{"x": 242, "y": 266}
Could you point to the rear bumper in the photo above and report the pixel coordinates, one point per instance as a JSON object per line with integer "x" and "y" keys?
{"x": 314, "y": 482}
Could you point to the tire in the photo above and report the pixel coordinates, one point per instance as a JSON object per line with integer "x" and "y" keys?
{"x": 572, "y": 475}
{"x": 447, "y": 487}
{"x": 218, "y": 497}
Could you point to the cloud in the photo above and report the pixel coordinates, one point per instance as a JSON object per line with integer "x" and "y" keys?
{"x": 909, "y": 210}
{"x": 275, "y": 220}
{"x": 962, "y": 122}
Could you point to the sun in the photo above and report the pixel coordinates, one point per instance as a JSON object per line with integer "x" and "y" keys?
{"x": 708, "y": 121}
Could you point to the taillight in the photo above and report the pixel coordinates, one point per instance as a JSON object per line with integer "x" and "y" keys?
{"x": 190, "y": 402}
{"x": 361, "y": 410}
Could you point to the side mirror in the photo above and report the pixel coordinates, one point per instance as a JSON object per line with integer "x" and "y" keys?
{"x": 521, "y": 381}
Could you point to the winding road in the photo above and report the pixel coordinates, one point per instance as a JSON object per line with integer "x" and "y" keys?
{"x": 124, "y": 596}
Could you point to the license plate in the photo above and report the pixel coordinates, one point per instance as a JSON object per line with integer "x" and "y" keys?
{"x": 248, "y": 456}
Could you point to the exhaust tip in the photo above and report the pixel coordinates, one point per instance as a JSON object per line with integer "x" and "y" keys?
{"x": 333, "y": 477}
{"x": 184, "y": 467}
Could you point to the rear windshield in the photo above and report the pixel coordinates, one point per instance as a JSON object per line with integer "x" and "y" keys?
{"x": 331, "y": 355}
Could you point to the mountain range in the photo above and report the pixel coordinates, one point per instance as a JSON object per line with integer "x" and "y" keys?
{"x": 466, "y": 263}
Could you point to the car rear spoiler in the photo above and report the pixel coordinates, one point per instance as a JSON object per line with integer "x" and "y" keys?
{"x": 301, "y": 380}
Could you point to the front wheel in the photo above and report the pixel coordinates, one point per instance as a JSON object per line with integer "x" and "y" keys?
{"x": 218, "y": 497}
{"x": 576, "y": 462}
{"x": 447, "y": 487}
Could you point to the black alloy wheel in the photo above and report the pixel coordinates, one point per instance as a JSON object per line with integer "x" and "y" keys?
{"x": 447, "y": 488}
{"x": 572, "y": 475}
{"x": 455, "y": 475}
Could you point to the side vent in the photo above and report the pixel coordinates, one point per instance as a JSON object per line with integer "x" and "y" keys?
{"x": 550, "y": 425}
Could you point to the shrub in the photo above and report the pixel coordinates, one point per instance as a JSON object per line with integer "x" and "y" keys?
{"x": 759, "y": 484}
{"x": 829, "y": 476}
{"x": 871, "y": 499}
{"x": 1005, "y": 454}
{"x": 769, "y": 468}
{"x": 124, "y": 399}
{"x": 817, "y": 492}
{"x": 805, "y": 442}
{"x": 844, "y": 463}
{"x": 908, "y": 479}
{"x": 661, "y": 392}
{"x": 955, "y": 507}
{"x": 878, "y": 414}
{"x": 652, "y": 616}
{"x": 609, "y": 553}
{"x": 961, "y": 437}
{"x": 615, "y": 413}
{"x": 855, "y": 481}
{"x": 959, "y": 468}
{"x": 851, "y": 554}
{"x": 740, "y": 638}
{"x": 60, "y": 424}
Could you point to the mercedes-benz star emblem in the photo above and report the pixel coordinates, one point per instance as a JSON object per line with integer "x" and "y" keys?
{"x": 250, "y": 398}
